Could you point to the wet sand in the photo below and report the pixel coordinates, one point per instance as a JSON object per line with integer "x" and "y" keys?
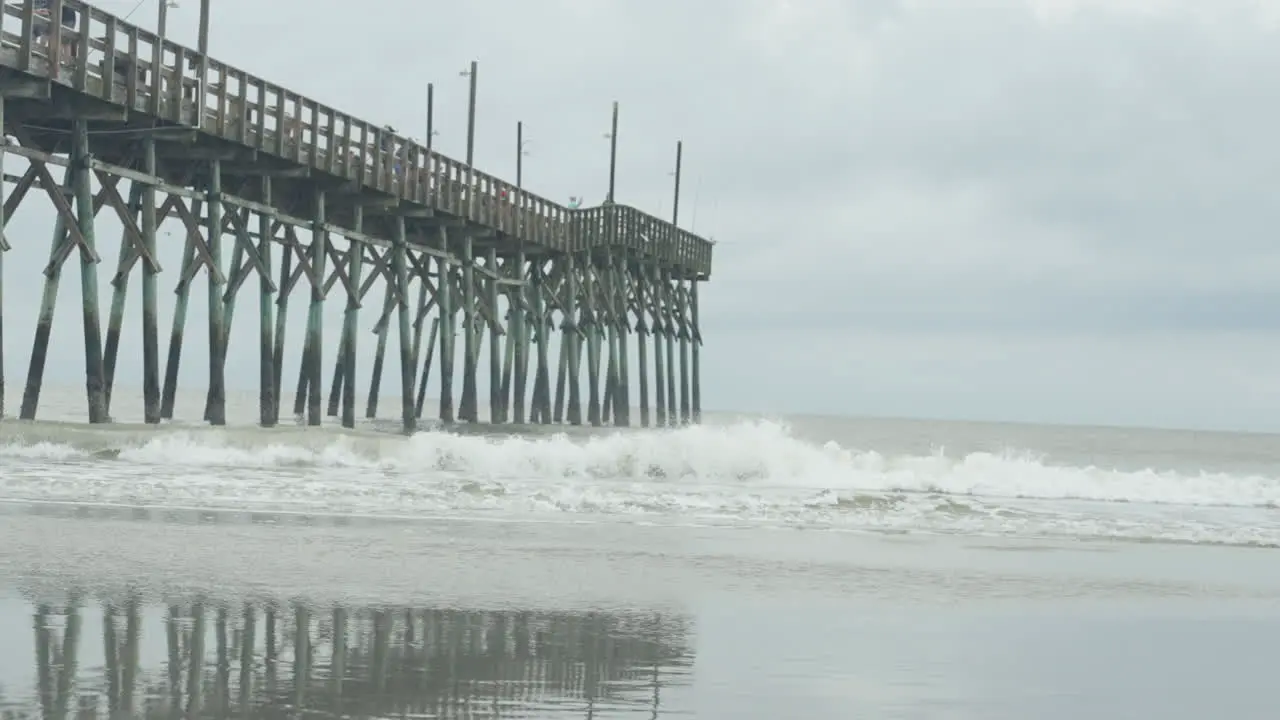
{"x": 468, "y": 618}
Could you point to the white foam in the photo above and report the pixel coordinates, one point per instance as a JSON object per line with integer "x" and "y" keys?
{"x": 751, "y": 470}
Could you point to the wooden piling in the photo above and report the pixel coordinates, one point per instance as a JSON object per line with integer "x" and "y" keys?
{"x": 468, "y": 411}
{"x": 420, "y": 310}
{"x": 642, "y": 337}
{"x": 285, "y": 287}
{"x": 573, "y": 339}
{"x": 350, "y": 327}
{"x": 508, "y": 357}
{"x": 682, "y": 307}
{"x": 95, "y": 380}
{"x": 696, "y": 343}
{"x": 217, "y": 399}
{"x": 186, "y": 273}
{"x": 150, "y": 313}
{"x": 4, "y": 247}
{"x": 426, "y": 368}
{"x": 669, "y": 319}
{"x": 48, "y": 302}
{"x": 447, "y": 329}
{"x": 408, "y": 418}
{"x": 591, "y": 326}
{"x": 653, "y": 303}
{"x": 622, "y": 383}
{"x": 240, "y": 271}
{"x": 542, "y": 384}
{"x": 520, "y": 326}
{"x": 495, "y": 341}
{"x": 304, "y": 377}
{"x": 119, "y": 290}
{"x": 315, "y": 314}
{"x": 562, "y": 373}
{"x": 380, "y": 351}
{"x": 267, "y": 395}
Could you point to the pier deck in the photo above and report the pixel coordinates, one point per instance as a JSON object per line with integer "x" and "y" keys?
{"x": 160, "y": 132}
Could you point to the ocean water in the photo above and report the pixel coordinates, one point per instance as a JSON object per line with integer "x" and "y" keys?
{"x": 748, "y": 567}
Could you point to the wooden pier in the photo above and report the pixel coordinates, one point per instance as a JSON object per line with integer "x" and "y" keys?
{"x": 295, "y": 191}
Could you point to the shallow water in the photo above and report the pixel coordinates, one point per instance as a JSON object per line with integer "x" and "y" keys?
{"x": 799, "y": 567}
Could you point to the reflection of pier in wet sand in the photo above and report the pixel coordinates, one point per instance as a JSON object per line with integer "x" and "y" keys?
{"x": 267, "y": 660}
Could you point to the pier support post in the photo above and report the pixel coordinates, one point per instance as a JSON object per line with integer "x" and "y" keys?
{"x": 400, "y": 266}
{"x": 300, "y": 392}
{"x": 426, "y": 368}
{"x": 542, "y": 383}
{"x": 4, "y": 247}
{"x": 591, "y": 324}
{"x": 119, "y": 292}
{"x": 468, "y": 411}
{"x": 150, "y": 313}
{"x": 186, "y": 274}
{"x": 381, "y": 328}
{"x": 267, "y": 403}
{"x": 48, "y": 302}
{"x": 520, "y": 324}
{"x": 313, "y": 361}
{"x": 622, "y": 383}
{"x": 497, "y": 410}
{"x": 642, "y": 336}
{"x": 239, "y": 273}
{"x": 696, "y": 332}
{"x": 539, "y": 339}
{"x": 95, "y": 381}
{"x": 653, "y": 305}
{"x": 420, "y": 309}
{"x": 562, "y": 374}
{"x": 217, "y": 400}
{"x": 511, "y": 270}
{"x": 562, "y": 364}
{"x": 573, "y": 340}
{"x": 444, "y": 284}
{"x": 515, "y": 326}
{"x": 668, "y": 312}
{"x": 350, "y": 326}
{"x": 682, "y": 307}
{"x": 508, "y": 358}
{"x": 278, "y": 336}
{"x": 608, "y": 413}
{"x": 334, "y": 406}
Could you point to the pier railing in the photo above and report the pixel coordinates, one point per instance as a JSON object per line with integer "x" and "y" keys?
{"x": 108, "y": 59}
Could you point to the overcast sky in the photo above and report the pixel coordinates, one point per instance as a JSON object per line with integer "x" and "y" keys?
{"x": 1015, "y": 209}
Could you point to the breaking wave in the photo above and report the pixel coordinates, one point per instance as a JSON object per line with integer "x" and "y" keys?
{"x": 747, "y": 472}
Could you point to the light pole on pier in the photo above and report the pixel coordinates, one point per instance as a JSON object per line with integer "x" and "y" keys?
{"x": 203, "y": 46}
{"x": 520, "y": 153}
{"x": 162, "y": 22}
{"x": 473, "y": 74}
{"x": 431, "y": 115}
{"x": 612, "y": 135}
{"x": 675, "y": 203}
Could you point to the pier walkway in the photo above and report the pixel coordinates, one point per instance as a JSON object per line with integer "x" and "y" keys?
{"x": 299, "y": 191}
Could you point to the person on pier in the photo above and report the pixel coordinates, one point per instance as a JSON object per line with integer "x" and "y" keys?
{"x": 42, "y": 30}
